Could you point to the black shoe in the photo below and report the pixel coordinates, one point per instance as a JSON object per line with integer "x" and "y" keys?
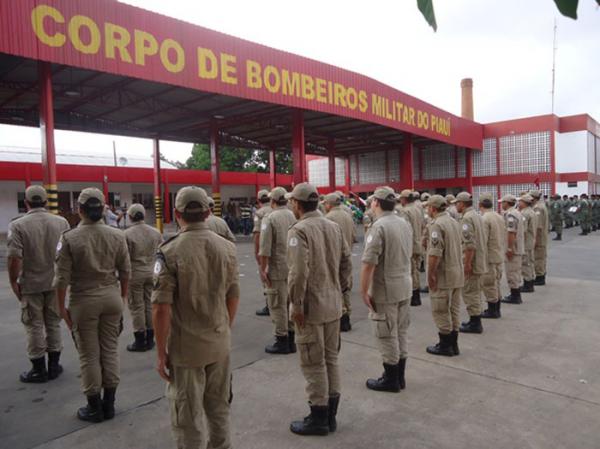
{"x": 473, "y": 326}
{"x": 493, "y": 311}
{"x": 149, "y": 339}
{"x": 280, "y": 346}
{"x": 108, "y": 403}
{"x": 334, "y": 402}
{"x": 558, "y": 237}
{"x": 444, "y": 347}
{"x": 317, "y": 423}
{"x": 401, "y": 369}
{"x": 540, "y": 280}
{"x": 415, "y": 301}
{"x": 55, "y": 369}
{"x": 424, "y": 289}
{"x": 139, "y": 345}
{"x": 264, "y": 311}
{"x": 498, "y": 306}
{"x": 454, "y": 342}
{"x": 422, "y": 267}
{"x": 583, "y": 233}
{"x": 92, "y": 412}
{"x": 292, "y": 341}
{"x": 527, "y": 287}
{"x": 38, "y": 374}
{"x": 389, "y": 380}
{"x": 514, "y": 297}
{"x": 345, "y": 325}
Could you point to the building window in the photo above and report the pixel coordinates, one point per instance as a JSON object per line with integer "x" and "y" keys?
{"x": 484, "y": 162}
{"x": 572, "y": 184}
{"x": 525, "y": 153}
{"x": 438, "y": 162}
{"x": 145, "y": 199}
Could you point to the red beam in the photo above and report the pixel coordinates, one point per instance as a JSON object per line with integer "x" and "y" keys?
{"x": 331, "y": 166}
{"x": 47, "y": 129}
{"x": 215, "y": 162}
{"x": 157, "y": 186}
{"x": 406, "y": 163}
{"x": 298, "y": 151}
{"x": 272, "y": 169}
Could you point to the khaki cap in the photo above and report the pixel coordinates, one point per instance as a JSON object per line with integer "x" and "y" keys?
{"x": 385, "y": 193}
{"x": 436, "y": 201}
{"x": 340, "y": 194}
{"x": 508, "y": 199}
{"x": 333, "y": 199}
{"x": 36, "y": 193}
{"x": 535, "y": 194}
{"x": 425, "y": 196}
{"x": 369, "y": 200}
{"x": 278, "y": 193}
{"x": 406, "y": 193}
{"x": 304, "y": 192}
{"x": 262, "y": 195}
{"x": 89, "y": 193}
{"x": 189, "y": 195}
{"x": 211, "y": 202}
{"x": 527, "y": 198}
{"x": 450, "y": 198}
{"x": 486, "y": 196}
{"x": 135, "y": 208}
{"x": 463, "y": 196}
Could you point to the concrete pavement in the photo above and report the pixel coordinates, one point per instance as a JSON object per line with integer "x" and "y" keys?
{"x": 530, "y": 381}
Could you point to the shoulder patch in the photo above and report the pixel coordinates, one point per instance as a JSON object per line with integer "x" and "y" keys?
{"x": 263, "y": 226}
{"x": 465, "y": 227}
{"x": 59, "y": 246}
{"x": 293, "y": 242}
{"x": 369, "y": 238}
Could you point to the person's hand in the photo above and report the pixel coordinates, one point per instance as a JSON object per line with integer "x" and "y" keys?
{"x": 164, "y": 367}
{"x": 16, "y": 288}
{"x": 509, "y": 254}
{"x": 468, "y": 270}
{"x": 265, "y": 278}
{"x": 298, "y": 318}
{"x": 66, "y": 315}
{"x": 368, "y": 301}
{"x": 432, "y": 282}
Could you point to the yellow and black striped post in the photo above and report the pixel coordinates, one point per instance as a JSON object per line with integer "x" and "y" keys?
{"x": 52, "y": 191}
{"x": 158, "y": 209}
{"x": 217, "y": 210}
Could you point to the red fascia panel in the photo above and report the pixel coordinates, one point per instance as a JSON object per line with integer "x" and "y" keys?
{"x": 581, "y": 122}
{"x": 578, "y": 177}
{"x": 521, "y": 126}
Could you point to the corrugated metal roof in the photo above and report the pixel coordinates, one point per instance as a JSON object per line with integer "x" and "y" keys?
{"x": 76, "y": 157}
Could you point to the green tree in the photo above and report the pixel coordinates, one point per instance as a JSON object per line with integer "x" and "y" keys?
{"x": 238, "y": 159}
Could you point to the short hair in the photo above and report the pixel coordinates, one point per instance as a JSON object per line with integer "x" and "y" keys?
{"x": 264, "y": 199}
{"x": 281, "y": 201}
{"x": 93, "y": 209}
{"x": 35, "y": 204}
{"x": 468, "y": 203}
{"x": 386, "y": 205}
{"x": 440, "y": 208}
{"x": 308, "y": 206}
{"x": 138, "y": 216}
{"x": 194, "y": 217}
{"x": 487, "y": 203}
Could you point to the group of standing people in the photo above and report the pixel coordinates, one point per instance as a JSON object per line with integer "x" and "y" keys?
{"x": 566, "y": 212}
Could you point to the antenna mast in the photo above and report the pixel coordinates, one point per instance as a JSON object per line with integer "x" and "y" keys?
{"x": 553, "y": 65}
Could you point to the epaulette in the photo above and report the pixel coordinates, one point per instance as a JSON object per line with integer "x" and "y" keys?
{"x": 170, "y": 239}
{"x": 16, "y": 218}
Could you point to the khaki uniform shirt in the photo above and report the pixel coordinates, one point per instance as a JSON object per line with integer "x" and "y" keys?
{"x": 33, "y": 238}
{"x": 345, "y": 222}
{"x": 453, "y": 212}
{"x": 219, "y": 227}
{"x": 347, "y": 209}
{"x": 142, "y": 242}
{"x": 320, "y": 267}
{"x": 542, "y": 220}
{"x": 196, "y": 272}
{"x": 474, "y": 237}
{"x": 273, "y": 241}
{"x": 496, "y": 236}
{"x": 515, "y": 223}
{"x": 530, "y": 227}
{"x": 389, "y": 247}
{"x": 413, "y": 215}
{"x": 258, "y": 217}
{"x": 445, "y": 243}
{"x": 89, "y": 257}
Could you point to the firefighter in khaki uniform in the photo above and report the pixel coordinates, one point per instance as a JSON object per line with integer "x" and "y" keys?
{"x": 496, "y": 249}
{"x": 386, "y": 287}
{"x": 414, "y": 216}
{"x": 320, "y": 266}
{"x": 540, "y": 251}
{"x": 142, "y": 241}
{"x": 194, "y": 302}
{"x": 525, "y": 203}
{"x": 88, "y": 258}
{"x": 217, "y": 224}
{"x": 31, "y": 245}
{"x": 474, "y": 260}
{"x": 264, "y": 209}
{"x": 335, "y": 213}
{"x": 515, "y": 248}
{"x": 272, "y": 255}
{"x": 445, "y": 276}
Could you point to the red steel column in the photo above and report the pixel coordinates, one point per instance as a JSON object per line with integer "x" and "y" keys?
{"x": 47, "y": 129}
{"x": 167, "y": 196}
{"x": 469, "y": 169}
{"x": 553, "y": 161}
{"x": 272, "y": 168}
{"x": 105, "y": 190}
{"x": 27, "y": 175}
{"x": 348, "y": 186}
{"x": 215, "y": 168}
{"x": 498, "y": 170}
{"x": 331, "y": 154}
{"x": 406, "y": 163}
{"x": 157, "y": 186}
{"x": 298, "y": 152}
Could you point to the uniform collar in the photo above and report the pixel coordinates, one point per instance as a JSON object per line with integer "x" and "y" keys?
{"x": 441, "y": 214}
{"x": 36, "y": 210}
{"x": 312, "y": 214}
{"x": 468, "y": 209}
{"x": 137, "y": 223}
{"x": 195, "y": 227}
{"x": 88, "y": 222}
{"x": 386, "y": 213}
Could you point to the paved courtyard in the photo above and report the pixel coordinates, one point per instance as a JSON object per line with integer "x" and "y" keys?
{"x": 532, "y": 380}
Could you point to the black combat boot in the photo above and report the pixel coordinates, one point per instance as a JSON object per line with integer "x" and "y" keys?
{"x": 415, "y": 301}
{"x": 139, "y": 345}
{"x": 444, "y": 347}
{"x": 334, "y": 402}
{"x": 389, "y": 380}
{"x": 317, "y": 423}
{"x": 558, "y": 237}
{"x": 540, "y": 280}
{"x": 37, "y": 374}
{"x": 345, "y": 325}
{"x": 264, "y": 311}
{"x": 527, "y": 287}
{"x": 454, "y": 341}
{"x": 149, "y": 339}
{"x": 55, "y": 369}
{"x": 401, "y": 369}
{"x": 473, "y": 326}
{"x": 92, "y": 412}
{"x": 498, "y": 312}
{"x": 424, "y": 289}
{"x": 292, "y": 341}
{"x": 280, "y": 346}
{"x": 108, "y": 403}
{"x": 583, "y": 233}
{"x": 514, "y": 297}
{"x": 492, "y": 311}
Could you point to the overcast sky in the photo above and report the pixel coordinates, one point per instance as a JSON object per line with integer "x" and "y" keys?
{"x": 505, "y": 46}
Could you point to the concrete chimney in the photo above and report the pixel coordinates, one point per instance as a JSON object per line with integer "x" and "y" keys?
{"x": 466, "y": 86}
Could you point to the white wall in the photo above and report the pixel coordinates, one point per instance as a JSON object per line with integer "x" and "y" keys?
{"x": 563, "y": 189}
{"x": 9, "y": 208}
{"x": 571, "y": 152}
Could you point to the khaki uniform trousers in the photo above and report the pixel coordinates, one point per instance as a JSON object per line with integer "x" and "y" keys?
{"x": 471, "y": 294}
{"x": 140, "y": 306}
{"x": 390, "y": 323}
{"x": 319, "y": 346}
{"x": 277, "y": 300}
{"x": 540, "y": 255}
{"x": 445, "y": 308}
{"x": 415, "y": 264}
{"x": 491, "y": 282}
{"x": 347, "y": 301}
{"x": 196, "y": 395}
{"x": 39, "y": 315}
{"x": 514, "y": 269}
{"x": 97, "y": 323}
{"x": 528, "y": 269}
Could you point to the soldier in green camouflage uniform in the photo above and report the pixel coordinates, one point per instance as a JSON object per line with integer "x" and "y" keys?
{"x": 556, "y": 216}
{"x": 585, "y": 216}
{"x": 595, "y": 212}
{"x": 568, "y": 218}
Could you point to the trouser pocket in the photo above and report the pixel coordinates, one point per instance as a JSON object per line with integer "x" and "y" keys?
{"x": 382, "y": 327}
{"x": 26, "y": 317}
{"x": 306, "y": 340}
